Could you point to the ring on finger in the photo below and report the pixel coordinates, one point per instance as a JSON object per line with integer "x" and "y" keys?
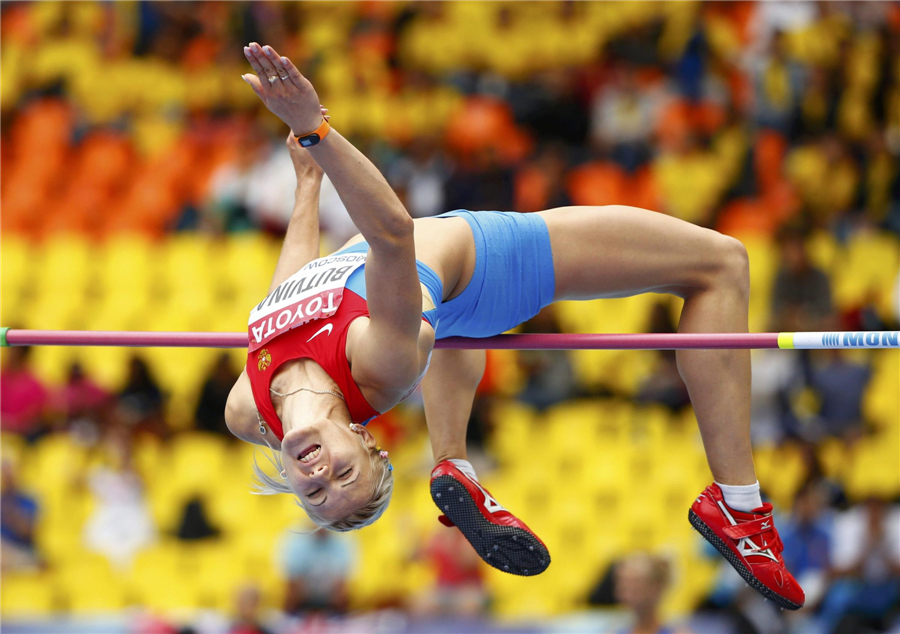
{"x": 284, "y": 77}
{"x": 273, "y": 79}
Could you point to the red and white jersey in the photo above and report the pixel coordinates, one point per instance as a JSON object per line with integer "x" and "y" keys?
{"x": 307, "y": 316}
{"x": 324, "y": 340}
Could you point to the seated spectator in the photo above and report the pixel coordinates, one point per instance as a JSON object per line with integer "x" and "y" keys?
{"x": 23, "y": 397}
{"x": 141, "y": 400}
{"x": 195, "y": 524}
{"x": 120, "y": 524}
{"x": 840, "y": 383}
{"x": 776, "y": 379}
{"x": 81, "y": 397}
{"x": 549, "y": 375}
{"x": 317, "y": 566}
{"x": 460, "y": 590}
{"x": 228, "y": 204}
{"x": 248, "y": 620}
{"x": 866, "y": 569}
{"x": 18, "y": 516}
{"x": 421, "y": 176}
{"x": 779, "y": 83}
{"x": 210, "y": 412}
{"x": 640, "y": 583}
{"x": 801, "y": 297}
{"x": 807, "y": 541}
{"x": 622, "y": 118}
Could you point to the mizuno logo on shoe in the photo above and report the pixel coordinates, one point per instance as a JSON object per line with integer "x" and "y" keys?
{"x": 746, "y": 546}
{"x": 766, "y": 524}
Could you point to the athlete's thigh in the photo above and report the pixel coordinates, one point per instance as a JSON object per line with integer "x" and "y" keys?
{"x": 617, "y": 251}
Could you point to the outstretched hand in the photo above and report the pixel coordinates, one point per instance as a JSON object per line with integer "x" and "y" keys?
{"x": 281, "y": 87}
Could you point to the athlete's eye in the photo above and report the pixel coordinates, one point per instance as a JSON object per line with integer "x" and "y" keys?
{"x": 346, "y": 473}
{"x": 316, "y": 492}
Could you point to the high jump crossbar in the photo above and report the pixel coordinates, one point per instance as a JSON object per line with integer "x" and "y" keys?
{"x": 670, "y": 341}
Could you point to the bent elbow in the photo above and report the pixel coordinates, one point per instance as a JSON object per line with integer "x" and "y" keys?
{"x": 398, "y": 232}
{"x": 404, "y": 226}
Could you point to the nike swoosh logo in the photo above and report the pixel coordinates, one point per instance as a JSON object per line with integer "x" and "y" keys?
{"x": 328, "y": 327}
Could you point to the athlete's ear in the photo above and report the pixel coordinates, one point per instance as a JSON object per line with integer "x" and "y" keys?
{"x": 367, "y": 437}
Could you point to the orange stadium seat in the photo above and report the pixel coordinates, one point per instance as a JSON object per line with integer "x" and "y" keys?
{"x": 597, "y": 184}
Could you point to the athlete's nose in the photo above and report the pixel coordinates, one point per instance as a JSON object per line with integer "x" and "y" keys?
{"x": 318, "y": 471}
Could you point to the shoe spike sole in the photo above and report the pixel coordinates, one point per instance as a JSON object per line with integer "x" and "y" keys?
{"x": 507, "y": 548}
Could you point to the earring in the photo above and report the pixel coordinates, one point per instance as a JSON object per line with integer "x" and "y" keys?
{"x": 283, "y": 474}
{"x": 354, "y": 427}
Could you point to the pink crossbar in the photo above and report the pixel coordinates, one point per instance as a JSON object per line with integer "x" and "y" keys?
{"x": 732, "y": 341}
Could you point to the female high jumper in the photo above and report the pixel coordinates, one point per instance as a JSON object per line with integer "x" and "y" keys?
{"x": 340, "y": 339}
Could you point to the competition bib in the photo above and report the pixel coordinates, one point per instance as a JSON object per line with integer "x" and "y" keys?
{"x": 313, "y": 292}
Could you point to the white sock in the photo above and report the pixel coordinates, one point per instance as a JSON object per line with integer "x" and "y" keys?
{"x": 466, "y": 467}
{"x": 742, "y": 498}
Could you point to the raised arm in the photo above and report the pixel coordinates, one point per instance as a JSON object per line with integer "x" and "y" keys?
{"x": 392, "y": 282}
{"x": 301, "y": 241}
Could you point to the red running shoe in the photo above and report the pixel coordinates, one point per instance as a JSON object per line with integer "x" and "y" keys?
{"x": 750, "y": 543}
{"x": 499, "y": 537}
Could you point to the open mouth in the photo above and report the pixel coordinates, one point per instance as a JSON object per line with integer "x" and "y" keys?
{"x": 310, "y": 453}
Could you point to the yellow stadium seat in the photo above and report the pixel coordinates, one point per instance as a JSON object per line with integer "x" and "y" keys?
{"x": 763, "y": 257}
{"x": 128, "y": 269}
{"x": 874, "y": 468}
{"x": 55, "y": 463}
{"x": 782, "y": 470}
{"x": 217, "y": 570}
{"x": 67, "y": 265}
{"x": 198, "y": 457}
{"x": 868, "y": 266}
{"x": 881, "y": 404}
{"x": 247, "y": 262}
{"x": 27, "y": 595}
{"x": 157, "y": 580}
{"x": 12, "y": 448}
{"x": 88, "y": 585}
{"x": 107, "y": 365}
{"x": 17, "y": 258}
{"x": 188, "y": 267}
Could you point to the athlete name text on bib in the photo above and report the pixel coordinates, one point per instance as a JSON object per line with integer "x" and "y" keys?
{"x": 313, "y": 292}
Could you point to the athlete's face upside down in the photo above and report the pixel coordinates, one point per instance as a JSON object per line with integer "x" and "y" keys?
{"x": 329, "y": 466}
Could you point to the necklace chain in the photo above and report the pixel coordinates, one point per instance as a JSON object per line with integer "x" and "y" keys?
{"x": 306, "y": 389}
{"x": 262, "y": 425}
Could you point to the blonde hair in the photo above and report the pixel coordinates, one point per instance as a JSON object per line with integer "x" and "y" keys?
{"x": 264, "y": 484}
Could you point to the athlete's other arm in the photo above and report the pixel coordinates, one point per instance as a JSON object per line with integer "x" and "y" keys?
{"x": 388, "y": 353}
{"x": 301, "y": 245}
{"x": 301, "y": 241}
{"x": 449, "y": 390}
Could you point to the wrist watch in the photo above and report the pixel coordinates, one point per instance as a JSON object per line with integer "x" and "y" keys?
{"x": 311, "y": 139}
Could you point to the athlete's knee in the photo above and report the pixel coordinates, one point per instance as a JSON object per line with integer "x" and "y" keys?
{"x": 733, "y": 265}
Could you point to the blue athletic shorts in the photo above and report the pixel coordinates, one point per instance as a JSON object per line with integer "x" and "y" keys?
{"x": 513, "y": 278}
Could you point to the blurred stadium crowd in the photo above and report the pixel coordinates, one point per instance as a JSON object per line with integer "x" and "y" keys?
{"x": 144, "y": 187}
